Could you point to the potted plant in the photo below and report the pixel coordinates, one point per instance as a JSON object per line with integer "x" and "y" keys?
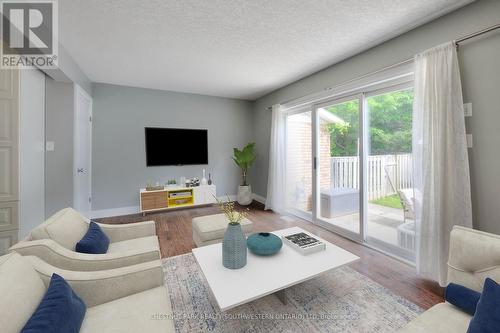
{"x": 244, "y": 159}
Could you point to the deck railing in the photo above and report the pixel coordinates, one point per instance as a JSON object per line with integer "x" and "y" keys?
{"x": 382, "y": 171}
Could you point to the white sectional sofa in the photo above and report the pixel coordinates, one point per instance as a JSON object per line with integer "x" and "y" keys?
{"x": 54, "y": 242}
{"x": 118, "y": 300}
{"x": 474, "y": 256}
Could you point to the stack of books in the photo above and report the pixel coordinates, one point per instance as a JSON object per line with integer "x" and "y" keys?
{"x": 304, "y": 243}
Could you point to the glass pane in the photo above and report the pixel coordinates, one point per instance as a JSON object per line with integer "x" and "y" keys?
{"x": 389, "y": 182}
{"x": 338, "y": 174}
{"x": 299, "y": 163}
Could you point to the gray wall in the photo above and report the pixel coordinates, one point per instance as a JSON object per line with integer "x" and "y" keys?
{"x": 118, "y": 153}
{"x": 480, "y": 69}
{"x": 58, "y": 163}
{"x": 480, "y": 65}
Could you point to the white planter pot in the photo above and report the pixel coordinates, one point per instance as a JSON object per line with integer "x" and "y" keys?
{"x": 245, "y": 195}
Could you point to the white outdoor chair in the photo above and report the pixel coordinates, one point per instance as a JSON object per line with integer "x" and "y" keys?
{"x": 407, "y": 200}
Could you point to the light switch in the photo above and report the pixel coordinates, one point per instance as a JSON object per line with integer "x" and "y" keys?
{"x": 469, "y": 140}
{"x": 49, "y": 145}
{"x": 468, "y": 109}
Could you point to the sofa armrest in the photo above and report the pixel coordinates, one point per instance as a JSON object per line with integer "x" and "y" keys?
{"x": 122, "y": 232}
{"x": 59, "y": 256}
{"x": 105, "y": 286}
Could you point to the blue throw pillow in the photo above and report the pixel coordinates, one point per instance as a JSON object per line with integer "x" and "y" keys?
{"x": 487, "y": 317}
{"x": 464, "y": 298}
{"x": 60, "y": 311}
{"x": 95, "y": 241}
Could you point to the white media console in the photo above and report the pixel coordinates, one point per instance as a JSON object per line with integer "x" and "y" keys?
{"x": 176, "y": 197}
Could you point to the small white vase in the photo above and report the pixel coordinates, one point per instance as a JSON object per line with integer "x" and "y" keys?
{"x": 245, "y": 195}
{"x": 204, "y": 179}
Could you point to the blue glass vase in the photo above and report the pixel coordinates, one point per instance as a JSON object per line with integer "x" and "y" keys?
{"x": 234, "y": 247}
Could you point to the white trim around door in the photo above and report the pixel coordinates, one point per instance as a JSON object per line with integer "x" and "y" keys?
{"x": 82, "y": 154}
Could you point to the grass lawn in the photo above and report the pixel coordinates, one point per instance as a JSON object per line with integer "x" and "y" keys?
{"x": 388, "y": 201}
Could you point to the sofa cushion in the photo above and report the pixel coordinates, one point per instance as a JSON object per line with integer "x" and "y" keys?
{"x": 94, "y": 241}
{"x": 60, "y": 311}
{"x": 442, "y": 318}
{"x": 21, "y": 290}
{"x": 474, "y": 256}
{"x": 139, "y": 245}
{"x": 141, "y": 312}
{"x": 487, "y": 316}
{"x": 65, "y": 227}
{"x": 40, "y": 232}
{"x": 213, "y": 227}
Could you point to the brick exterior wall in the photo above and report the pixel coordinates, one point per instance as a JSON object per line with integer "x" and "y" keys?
{"x": 299, "y": 161}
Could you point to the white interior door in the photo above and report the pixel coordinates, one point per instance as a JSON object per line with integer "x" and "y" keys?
{"x": 82, "y": 180}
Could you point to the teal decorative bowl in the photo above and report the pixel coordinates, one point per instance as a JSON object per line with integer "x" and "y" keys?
{"x": 264, "y": 244}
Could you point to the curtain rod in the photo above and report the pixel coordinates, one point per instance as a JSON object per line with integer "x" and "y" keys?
{"x": 457, "y": 42}
{"x": 477, "y": 33}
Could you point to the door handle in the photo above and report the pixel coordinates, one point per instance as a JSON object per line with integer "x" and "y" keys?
{"x": 80, "y": 170}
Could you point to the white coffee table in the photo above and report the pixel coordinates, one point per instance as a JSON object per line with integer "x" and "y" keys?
{"x": 266, "y": 275}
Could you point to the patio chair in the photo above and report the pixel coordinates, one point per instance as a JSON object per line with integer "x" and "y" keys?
{"x": 406, "y": 197}
{"x": 407, "y": 200}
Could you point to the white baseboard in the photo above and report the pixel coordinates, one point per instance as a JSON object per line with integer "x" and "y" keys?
{"x": 259, "y": 198}
{"x": 97, "y": 214}
{"x": 232, "y": 197}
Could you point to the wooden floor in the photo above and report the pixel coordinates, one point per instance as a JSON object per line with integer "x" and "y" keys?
{"x": 175, "y": 237}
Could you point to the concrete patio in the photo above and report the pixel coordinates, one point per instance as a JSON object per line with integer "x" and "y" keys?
{"x": 382, "y": 223}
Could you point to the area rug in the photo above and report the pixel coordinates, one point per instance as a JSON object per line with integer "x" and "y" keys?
{"x": 342, "y": 300}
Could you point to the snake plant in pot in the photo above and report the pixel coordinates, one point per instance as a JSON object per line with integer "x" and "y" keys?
{"x": 244, "y": 159}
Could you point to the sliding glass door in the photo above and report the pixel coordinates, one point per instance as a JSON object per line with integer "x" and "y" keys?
{"x": 338, "y": 190}
{"x": 389, "y": 184}
{"x": 349, "y": 166}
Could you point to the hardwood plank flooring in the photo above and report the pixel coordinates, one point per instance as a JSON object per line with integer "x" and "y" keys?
{"x": 175, "y": 237}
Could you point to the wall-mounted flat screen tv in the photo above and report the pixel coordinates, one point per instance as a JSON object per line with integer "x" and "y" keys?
{"x": 176, "y": 146}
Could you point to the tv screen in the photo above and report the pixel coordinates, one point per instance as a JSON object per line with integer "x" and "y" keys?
{"x": 176, "y": 146}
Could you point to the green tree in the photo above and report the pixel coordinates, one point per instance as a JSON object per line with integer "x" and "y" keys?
{"x": 344, "y": 136}
{"x": 390, "y": 124}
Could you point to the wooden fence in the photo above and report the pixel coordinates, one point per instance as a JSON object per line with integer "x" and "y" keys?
{"x": 385, "y": 173}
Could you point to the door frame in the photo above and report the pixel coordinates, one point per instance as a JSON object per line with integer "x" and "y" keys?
{"x": 379, "y": 82}
{"x": 358, "y": 237}
{"x": 79, "y": 91}
{"x": 385, "y": 247}
{"x": 364, "y": 149}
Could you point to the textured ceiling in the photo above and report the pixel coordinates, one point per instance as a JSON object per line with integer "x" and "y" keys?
{"x": 230, "y": 48}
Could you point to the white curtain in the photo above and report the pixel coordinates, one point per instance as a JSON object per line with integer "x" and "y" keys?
{"x": 441, "y": 166}
{"x": 276, "y": 177}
